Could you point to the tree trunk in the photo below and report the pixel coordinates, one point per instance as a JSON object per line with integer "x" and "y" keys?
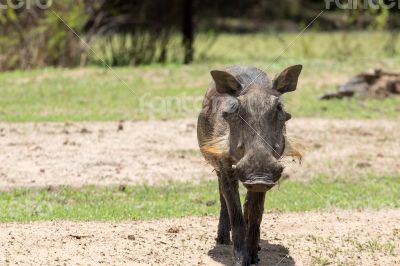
{"x": 188, "y": 30}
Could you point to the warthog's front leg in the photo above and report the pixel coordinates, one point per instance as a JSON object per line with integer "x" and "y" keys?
{"x": 224, "y": 225}
{"x": 229, "y": 186}
{"x": 253, "y": 211}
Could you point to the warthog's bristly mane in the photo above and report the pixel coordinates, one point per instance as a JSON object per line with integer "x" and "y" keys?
{"x": 219, "y": 147}
{"x": 293, "y": 148}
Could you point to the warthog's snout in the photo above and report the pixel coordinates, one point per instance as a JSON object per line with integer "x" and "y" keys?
{"x": 258, "y": 170}
{"x": 260, "y": 183}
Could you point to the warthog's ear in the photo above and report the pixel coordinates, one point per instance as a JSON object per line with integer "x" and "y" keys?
{"x": 286, "y": 81}
{"x": 225, "y": 82}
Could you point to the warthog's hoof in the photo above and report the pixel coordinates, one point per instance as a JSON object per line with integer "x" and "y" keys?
{"x": 223, "y": 240}
{"x": 247, "y": 259}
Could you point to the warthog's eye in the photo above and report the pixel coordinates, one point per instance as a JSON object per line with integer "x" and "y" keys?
{"x": 281, "y": 112}
{"x": 279, "y": 107}
{"x": 230, "y": 106}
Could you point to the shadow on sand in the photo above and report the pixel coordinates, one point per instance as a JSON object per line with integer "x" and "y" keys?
{"x": 269, "y": 254}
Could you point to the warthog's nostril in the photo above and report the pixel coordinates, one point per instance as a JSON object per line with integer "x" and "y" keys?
{"x": 259, "y": 183}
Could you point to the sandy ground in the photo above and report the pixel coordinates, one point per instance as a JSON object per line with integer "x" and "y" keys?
{"x": 338, "y": 238}
{"x": 42, "y": 154}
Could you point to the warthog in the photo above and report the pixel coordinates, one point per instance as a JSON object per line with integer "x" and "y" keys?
{"x": 241, "y": 133}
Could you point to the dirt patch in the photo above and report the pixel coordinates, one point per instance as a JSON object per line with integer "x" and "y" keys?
{"x": 339, "y": 238}
{"x": 347, "y": 148}
{"x": 43, "y": 154}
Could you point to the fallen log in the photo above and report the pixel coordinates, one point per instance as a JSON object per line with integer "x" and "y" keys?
{"x": 373, "y": 84}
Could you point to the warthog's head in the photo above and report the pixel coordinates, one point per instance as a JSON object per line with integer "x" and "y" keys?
{"x": 256, "y": 118}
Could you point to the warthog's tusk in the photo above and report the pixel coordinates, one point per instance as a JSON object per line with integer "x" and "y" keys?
{"x": 233, "y": 166}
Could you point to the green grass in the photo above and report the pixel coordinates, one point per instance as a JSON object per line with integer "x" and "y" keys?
{"x": 175, "y": 91}
{"x": 183, "y": 199}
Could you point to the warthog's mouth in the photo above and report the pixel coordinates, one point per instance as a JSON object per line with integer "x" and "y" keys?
{"x": 259, "y": 183}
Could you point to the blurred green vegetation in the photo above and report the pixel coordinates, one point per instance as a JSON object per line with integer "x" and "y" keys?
{"x": 176, "y": 199}
{"x": 40, "y": 34}
{"x": 175, "y": 91}
{"x": 33, "y": 37}
{"x": 263, "y": 48}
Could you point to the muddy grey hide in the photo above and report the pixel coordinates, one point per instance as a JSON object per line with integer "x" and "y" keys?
{"x": 241, "y": 133}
